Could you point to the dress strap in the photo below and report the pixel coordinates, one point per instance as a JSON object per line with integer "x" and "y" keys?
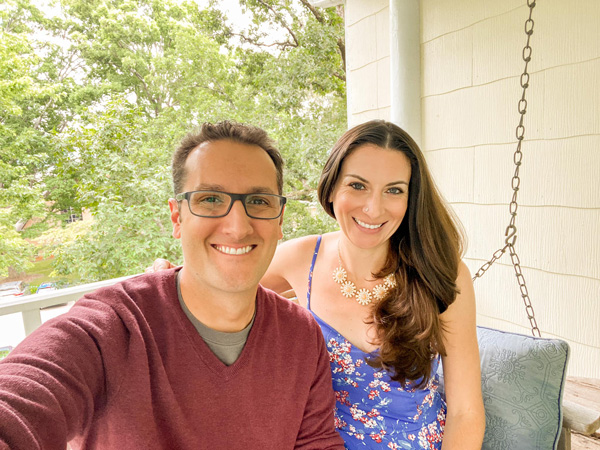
{"x": 310, "y": 274}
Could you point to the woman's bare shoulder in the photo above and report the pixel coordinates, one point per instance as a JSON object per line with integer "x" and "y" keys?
{"x": 290, "y": 265}
{"x": 297, "y": 247}
{"x": 298, "y": 250}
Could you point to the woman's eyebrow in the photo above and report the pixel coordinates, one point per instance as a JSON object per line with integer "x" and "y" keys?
{"x": 357, "y": 176}
{"x": 397, "y": 182}
{"x": 366, "y": 181}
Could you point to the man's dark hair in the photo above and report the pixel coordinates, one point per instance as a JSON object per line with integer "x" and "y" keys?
{"x": 225, "y": 130}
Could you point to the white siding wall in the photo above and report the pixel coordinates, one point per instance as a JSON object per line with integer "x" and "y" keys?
{"x": 368, "y": 60}
{"x": 471, "y": 62}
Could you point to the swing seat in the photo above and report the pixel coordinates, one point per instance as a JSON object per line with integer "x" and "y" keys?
{"x": 523, "y": 381}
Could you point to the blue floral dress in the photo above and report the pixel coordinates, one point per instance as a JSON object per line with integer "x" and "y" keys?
{"x": 373, "y": 412}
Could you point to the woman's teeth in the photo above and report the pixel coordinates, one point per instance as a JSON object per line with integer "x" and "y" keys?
{"x": 366, "y": 225}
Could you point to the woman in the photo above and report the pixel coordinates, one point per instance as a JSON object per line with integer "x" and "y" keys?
{"x": 391, "y": 296}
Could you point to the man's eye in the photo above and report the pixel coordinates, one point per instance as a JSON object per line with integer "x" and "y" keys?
{"x": 209, "y": 199}
{"x": 357, "y": 186}
{"x": 259, "y": 200}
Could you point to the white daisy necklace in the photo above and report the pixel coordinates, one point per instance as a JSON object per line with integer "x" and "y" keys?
{"x": 363, "y": 296}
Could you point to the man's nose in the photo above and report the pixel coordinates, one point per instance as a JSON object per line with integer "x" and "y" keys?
{"x": 237, "y": 223}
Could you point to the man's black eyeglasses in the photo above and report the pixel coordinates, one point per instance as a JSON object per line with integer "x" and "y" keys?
{"x": 218, "y": 204}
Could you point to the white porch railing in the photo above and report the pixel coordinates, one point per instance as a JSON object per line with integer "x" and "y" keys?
{"x": 29, "y": 305}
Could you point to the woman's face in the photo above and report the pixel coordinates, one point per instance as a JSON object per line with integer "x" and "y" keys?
{"x": 371, "y": 195}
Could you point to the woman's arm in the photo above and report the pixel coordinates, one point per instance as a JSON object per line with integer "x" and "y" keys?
{"x": 465, "y": 420}
{"x": 276, "y": 277}
{"x": 288, "y": 272}
{"x": 160, "y": 264}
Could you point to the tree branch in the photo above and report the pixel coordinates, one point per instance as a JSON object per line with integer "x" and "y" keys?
{"x": 281, "y": 21}
{"x": 315, "y": 12}
{"x": 340, "y": 42}
{"x": 282, "y": 45}
{"x": 340, "y": 76}
{"x": 38, "y": 121}
{"x": 342, "y": 49}
{"x": 143, "y": 82}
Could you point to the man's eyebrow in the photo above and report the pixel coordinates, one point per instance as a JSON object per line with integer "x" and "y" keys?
{"x": 221, "y": 188}
{"x": 367, "y": 181}
{"x": 209, "y": 187}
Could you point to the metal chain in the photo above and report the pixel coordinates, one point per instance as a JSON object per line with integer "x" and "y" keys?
{"x": 511, "y": 230}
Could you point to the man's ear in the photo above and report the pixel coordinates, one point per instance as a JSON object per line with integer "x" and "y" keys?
{"x": 175, "y": 217}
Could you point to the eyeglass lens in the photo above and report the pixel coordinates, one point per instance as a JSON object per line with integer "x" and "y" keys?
{"x": 214, "y": 203}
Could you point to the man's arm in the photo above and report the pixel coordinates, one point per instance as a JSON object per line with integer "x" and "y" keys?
{"x": 51, "y": 383}
{"x": 317, "y": 431}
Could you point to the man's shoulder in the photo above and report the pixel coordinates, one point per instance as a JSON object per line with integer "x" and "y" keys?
{"x": 286, "y": 309}
{"x": 136, "y": 288}
{"x": 142, "y": 300}
{"x": 289, "y": 332}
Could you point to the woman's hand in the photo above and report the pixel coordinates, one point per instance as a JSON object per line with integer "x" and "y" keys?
{"x": 159, "y": 264}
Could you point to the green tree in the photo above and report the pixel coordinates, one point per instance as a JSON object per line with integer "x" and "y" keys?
{"x": 117, "y": 85}
{"x": 37, "y": 100}
{"x": 297, "y": 77}
{"x": 123, "y": 160}
{"x": 163, "y": 53}
{"x": 159, "y": 76}
{"x": 20, "y": 197}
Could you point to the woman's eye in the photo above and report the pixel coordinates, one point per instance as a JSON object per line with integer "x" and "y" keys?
{"x": 357, "y": 186}
{"x": 395, "y": 191}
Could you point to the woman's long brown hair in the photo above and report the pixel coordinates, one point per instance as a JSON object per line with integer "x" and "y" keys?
{"x": 424, "y": 254}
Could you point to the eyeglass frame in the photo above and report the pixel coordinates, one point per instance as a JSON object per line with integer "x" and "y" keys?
{"x": 234, "y": 197}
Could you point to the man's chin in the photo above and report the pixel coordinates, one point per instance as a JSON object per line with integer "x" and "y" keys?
{"x": 236, "y": 284}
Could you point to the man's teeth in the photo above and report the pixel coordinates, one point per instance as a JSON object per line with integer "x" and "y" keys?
{"x": 366, "y": 225}
{"x": 233, "y": 251}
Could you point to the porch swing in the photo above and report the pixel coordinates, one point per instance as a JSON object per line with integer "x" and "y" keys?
{"x": 523, "y": 377}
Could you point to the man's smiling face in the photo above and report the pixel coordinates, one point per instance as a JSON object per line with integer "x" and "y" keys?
{"x": 227, "y": 254}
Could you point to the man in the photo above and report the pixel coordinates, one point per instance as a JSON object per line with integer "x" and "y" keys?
{"x": 196, "y": 358}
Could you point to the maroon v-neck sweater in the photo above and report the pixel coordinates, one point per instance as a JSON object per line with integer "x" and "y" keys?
{"x": 125, "y": 369}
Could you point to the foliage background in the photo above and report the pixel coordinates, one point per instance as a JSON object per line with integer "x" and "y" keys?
{"x": 96, "y": 94}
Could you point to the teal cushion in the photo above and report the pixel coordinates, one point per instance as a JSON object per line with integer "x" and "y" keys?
{"x": 522, "y": 380}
